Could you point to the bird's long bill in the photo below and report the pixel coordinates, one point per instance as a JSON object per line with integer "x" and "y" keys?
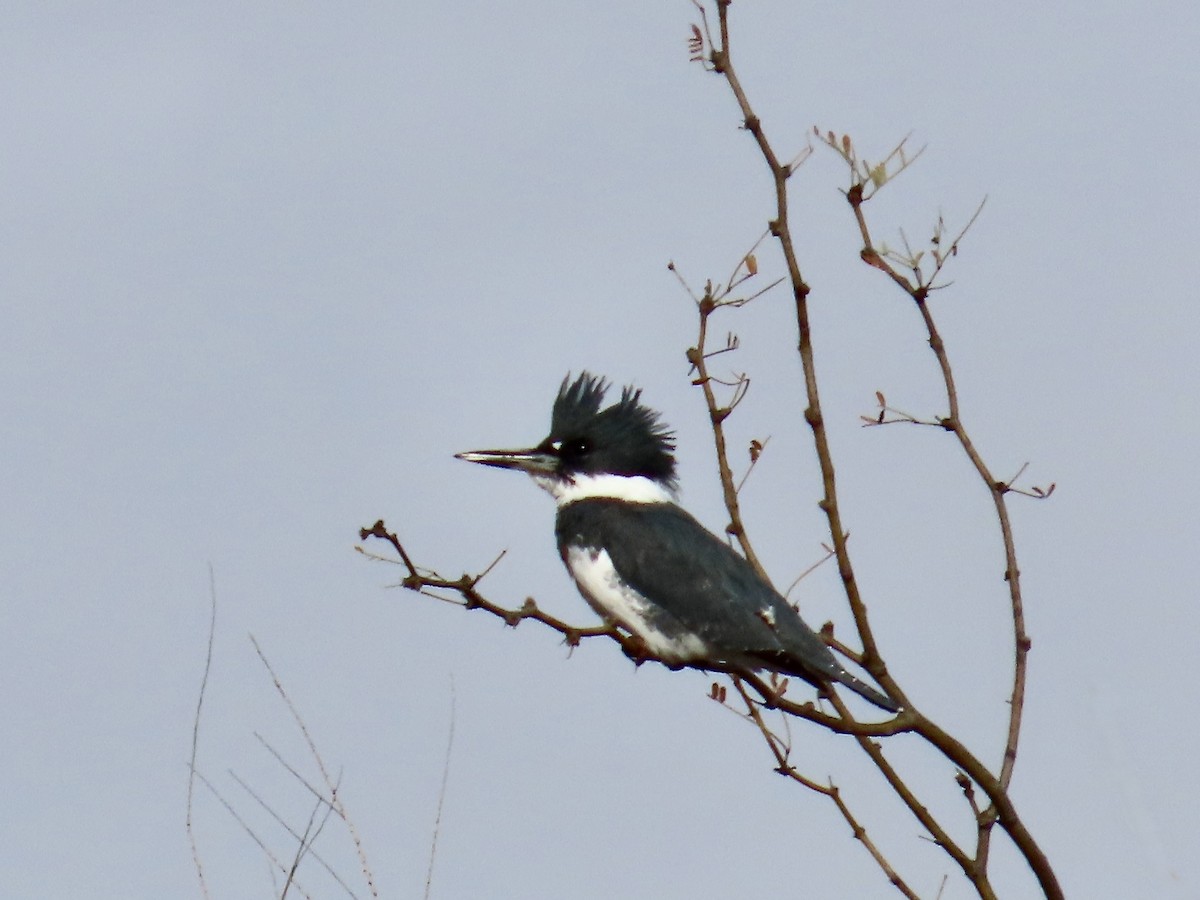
{"x": 532, "y": 461}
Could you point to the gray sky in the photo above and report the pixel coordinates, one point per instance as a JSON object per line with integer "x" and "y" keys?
{"x": 266, "y": 267}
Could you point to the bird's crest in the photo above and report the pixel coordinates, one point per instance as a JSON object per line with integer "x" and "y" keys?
{"x": 577, "y": 404}
{"x": 627, "y": 431}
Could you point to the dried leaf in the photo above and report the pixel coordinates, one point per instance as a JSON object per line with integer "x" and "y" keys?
{"x": 751, "y": 264}
{"x": 882, "y": 400}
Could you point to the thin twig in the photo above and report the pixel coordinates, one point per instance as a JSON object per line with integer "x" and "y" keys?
{"x": 717, "y": 414}
{"x": 307, "y": 839}
{"x": 756, "y": 452}
{"x": 437, "y": 822}
{"x": 212, "y": 632}
{"x": 812, "y": 568}
{"x": 290, "y": 769}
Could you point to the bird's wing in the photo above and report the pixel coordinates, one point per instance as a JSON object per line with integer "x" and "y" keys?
{"x": 697, "y": 582}
{"x": 698, "y": 585}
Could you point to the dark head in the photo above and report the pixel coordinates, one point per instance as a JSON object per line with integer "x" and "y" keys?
{"x": 626, "y": 440}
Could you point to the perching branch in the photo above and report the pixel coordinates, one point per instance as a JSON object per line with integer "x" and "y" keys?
{"x": 469, "y": 597}
{"x": 424, "y": 582}
{"x": 769, "y": 697}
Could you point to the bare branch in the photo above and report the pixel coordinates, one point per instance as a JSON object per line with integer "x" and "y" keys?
{"x": 781, "y": 751}
{"x": 953, "y": 422}
{"x": 996, "y": 788}
{"x": 717, "y": 414}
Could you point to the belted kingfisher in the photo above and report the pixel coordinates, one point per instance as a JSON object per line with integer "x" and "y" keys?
{"x": 642, "y": 562}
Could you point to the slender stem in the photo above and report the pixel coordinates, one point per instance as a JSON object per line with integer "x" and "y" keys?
{"x": 998, "y": 489}
{"x": 1012, "y": 574}
{"x": 717, "y": 415}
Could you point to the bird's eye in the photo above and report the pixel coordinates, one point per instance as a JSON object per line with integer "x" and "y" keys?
{"x": 574, "y": 447}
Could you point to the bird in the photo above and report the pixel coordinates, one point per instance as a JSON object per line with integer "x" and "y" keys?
{"x": 646, "y": 565}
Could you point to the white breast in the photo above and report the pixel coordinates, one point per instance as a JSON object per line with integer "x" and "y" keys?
{"x": 597, "y": 580}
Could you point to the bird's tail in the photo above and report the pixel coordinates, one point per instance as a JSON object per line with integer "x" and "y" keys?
{"x": 867, "y": 692}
